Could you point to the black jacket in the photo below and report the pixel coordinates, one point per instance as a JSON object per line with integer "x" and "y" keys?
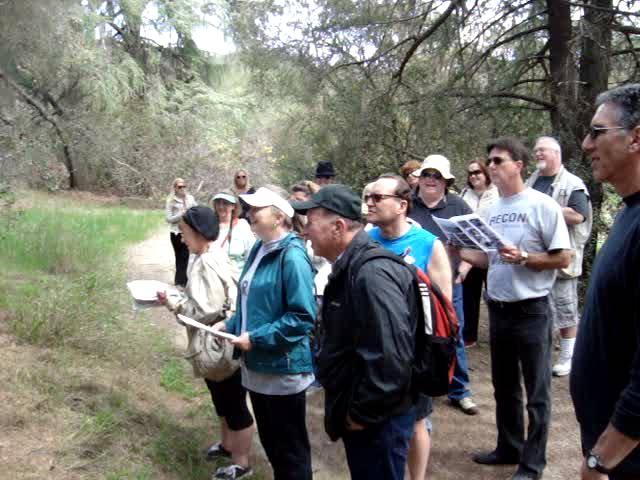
{"x": 367, "y": 346}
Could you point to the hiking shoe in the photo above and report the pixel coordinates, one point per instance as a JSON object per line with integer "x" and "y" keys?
{"x": 216, "y": 452}
{"x": 562, "y": 368}
{"x": 231, "y": 472}
{"x": 495, "y": 458}
{"x": 466, "y": 405}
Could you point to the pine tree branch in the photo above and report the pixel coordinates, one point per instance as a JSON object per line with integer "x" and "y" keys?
{"x": 417, "y": 41}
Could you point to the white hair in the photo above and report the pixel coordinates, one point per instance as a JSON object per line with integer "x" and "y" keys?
{"x": 554, "y": 142}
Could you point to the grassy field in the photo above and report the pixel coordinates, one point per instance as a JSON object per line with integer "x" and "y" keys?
{"x": 89, "y": 391}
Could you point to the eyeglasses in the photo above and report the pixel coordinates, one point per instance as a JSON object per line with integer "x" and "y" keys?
{"x": 378, "y": 197}
{"x": 595, "y": 132}
{"x": 496, "y": 160}
{"x": 474, "y": 172}
{"x": 181, "y": 186}
{"x": 241, "y": 176}
{"x": 434, "y": 175}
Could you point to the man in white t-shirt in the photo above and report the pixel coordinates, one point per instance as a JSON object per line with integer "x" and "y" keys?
{"x": 520, "y": 277}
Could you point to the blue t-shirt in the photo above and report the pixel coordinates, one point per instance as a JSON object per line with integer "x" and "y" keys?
{"x": 415, "y": 246}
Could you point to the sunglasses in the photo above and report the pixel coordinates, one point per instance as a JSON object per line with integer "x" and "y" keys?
{"x": 434, "y": 175}
{"x": 241, "y": 176}
{"x": 474, "y": 172}
{"x": 181, "y": 186}
{"x": 595, "y": 132}
{"x": 496, "y": 160}
{"x": 378, "y": 197}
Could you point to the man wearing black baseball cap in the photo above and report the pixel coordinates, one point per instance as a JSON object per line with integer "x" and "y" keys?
{"x": 368, "y": 323}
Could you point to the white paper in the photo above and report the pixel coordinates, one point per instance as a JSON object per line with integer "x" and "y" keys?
{"x": 470, "y": 231}
{"x": 202, "y": 326}
{"x": 146, "y": 291}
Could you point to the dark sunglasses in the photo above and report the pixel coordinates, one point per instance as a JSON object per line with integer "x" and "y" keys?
{"x": 434, "y": 175}
{"x": 181, "y": 186}
{"x": 496, "y": 160}
{"x": 378, "y": 197}
{"x": 475, "y": 172}
{"x": 595, "y": 132}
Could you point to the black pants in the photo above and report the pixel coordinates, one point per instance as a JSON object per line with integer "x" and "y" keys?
{"x": 471, "y": 294}
{"x": 182, "y": 259}
{"x": 229, "y": 399}
{"x": 283, "y": 434}
{"x": 520, "y": 334}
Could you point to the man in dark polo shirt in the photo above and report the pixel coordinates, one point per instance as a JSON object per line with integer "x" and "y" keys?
{"x": 434, "y": 200}
{"x": 605, "y": 376}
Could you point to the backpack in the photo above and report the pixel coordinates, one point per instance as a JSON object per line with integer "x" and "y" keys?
{"x": 437, "y": 329}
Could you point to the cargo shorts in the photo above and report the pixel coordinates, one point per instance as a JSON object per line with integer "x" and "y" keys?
{"x": 563, "y": 300}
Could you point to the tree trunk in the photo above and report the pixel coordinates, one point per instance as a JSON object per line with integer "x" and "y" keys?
{"x": 594, "y": 79}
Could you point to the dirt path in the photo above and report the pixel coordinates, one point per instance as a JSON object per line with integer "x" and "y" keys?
{"x": 455, "y": 437}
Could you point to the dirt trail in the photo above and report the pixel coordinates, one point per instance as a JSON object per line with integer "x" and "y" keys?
{"x": 153, "y": 259}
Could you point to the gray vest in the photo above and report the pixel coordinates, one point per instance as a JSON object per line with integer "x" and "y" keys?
{"x": 562, "y": 187}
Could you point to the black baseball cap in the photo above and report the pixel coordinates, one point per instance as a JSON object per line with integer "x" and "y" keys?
{"x": 336, "y": 198}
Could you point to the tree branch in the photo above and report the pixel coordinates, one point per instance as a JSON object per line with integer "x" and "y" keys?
{"x": 426, "y": 34}
{"x": 504, "y": 94}
{"x": 615, "y": 11}
{"x": 33, "y": 103}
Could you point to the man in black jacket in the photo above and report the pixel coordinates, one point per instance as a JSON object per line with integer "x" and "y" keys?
{"x": 369, "y": 322}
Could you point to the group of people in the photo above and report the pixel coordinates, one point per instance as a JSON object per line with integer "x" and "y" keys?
{"x": 309, "y": 303}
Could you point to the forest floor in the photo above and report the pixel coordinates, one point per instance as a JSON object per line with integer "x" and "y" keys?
{"x": 456, "y": 436}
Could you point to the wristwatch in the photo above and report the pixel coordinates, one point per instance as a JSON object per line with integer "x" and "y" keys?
{"x": 594, "y": 463}
{"x": 524, "y": 256}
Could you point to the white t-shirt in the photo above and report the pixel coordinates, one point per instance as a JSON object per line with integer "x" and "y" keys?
{"x": 533, "y": 222}
{"x": 242, "y": 239}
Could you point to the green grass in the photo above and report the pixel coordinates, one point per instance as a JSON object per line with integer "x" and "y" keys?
{"x": 131, "y": 407}
{"x": 177, "y": 377}
{"x": 53, "y": 240}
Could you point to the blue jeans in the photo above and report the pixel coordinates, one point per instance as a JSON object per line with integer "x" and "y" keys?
{"x": 459, "y": 387}
{"x": 379, "y": 452}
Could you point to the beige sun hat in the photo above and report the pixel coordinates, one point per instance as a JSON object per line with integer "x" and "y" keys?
{"x": 439, "y": 163}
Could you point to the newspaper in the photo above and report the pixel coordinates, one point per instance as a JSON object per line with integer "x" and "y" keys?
{"x": 470, "y": 231}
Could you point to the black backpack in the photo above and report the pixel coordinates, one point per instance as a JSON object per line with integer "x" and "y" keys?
{"x": 437, "y": 328}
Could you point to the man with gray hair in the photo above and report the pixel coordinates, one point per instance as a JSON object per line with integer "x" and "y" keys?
{"x": 605, "y": 378}
{"x": 369, "y": 320}
{"x": 570, "y": 192}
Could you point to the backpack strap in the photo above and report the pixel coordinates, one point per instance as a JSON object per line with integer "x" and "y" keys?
{"x": 421, "y": 340}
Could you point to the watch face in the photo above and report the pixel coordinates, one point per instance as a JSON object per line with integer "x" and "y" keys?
{"x": 592, "y": 461}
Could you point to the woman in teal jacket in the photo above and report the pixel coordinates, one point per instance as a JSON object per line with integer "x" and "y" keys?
{"x": 274, "y": 317}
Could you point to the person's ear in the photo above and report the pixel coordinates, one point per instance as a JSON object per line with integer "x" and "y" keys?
{"x": 634, "y": 146}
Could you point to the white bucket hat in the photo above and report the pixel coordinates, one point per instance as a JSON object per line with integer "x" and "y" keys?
{"x": 266, "y": 198}
{"x": 436, "y": 162}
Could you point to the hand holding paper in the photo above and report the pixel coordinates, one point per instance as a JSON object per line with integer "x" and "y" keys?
{"x": 215, "y": 329}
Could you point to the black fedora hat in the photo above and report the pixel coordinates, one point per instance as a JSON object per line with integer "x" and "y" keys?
{"x": 325, "y": 169}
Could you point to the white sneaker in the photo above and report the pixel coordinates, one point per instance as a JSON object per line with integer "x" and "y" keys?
{"x": 232, "y": 472}
{"x": 562, "y": 368}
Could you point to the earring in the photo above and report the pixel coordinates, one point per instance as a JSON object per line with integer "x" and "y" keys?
{"x": 275, "y": 225}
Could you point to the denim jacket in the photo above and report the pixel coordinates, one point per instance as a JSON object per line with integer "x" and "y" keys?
{"x": 281, "y": 310}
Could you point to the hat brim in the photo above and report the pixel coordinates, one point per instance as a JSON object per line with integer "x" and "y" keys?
{"x": 303, "y": 206}
{"x": 226, "y": 197}
{"x": 445, "y": 175}
{"x": 263, "y": 199}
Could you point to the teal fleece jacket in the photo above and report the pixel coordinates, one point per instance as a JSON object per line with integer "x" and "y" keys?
{"x": 281, "y": 309}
